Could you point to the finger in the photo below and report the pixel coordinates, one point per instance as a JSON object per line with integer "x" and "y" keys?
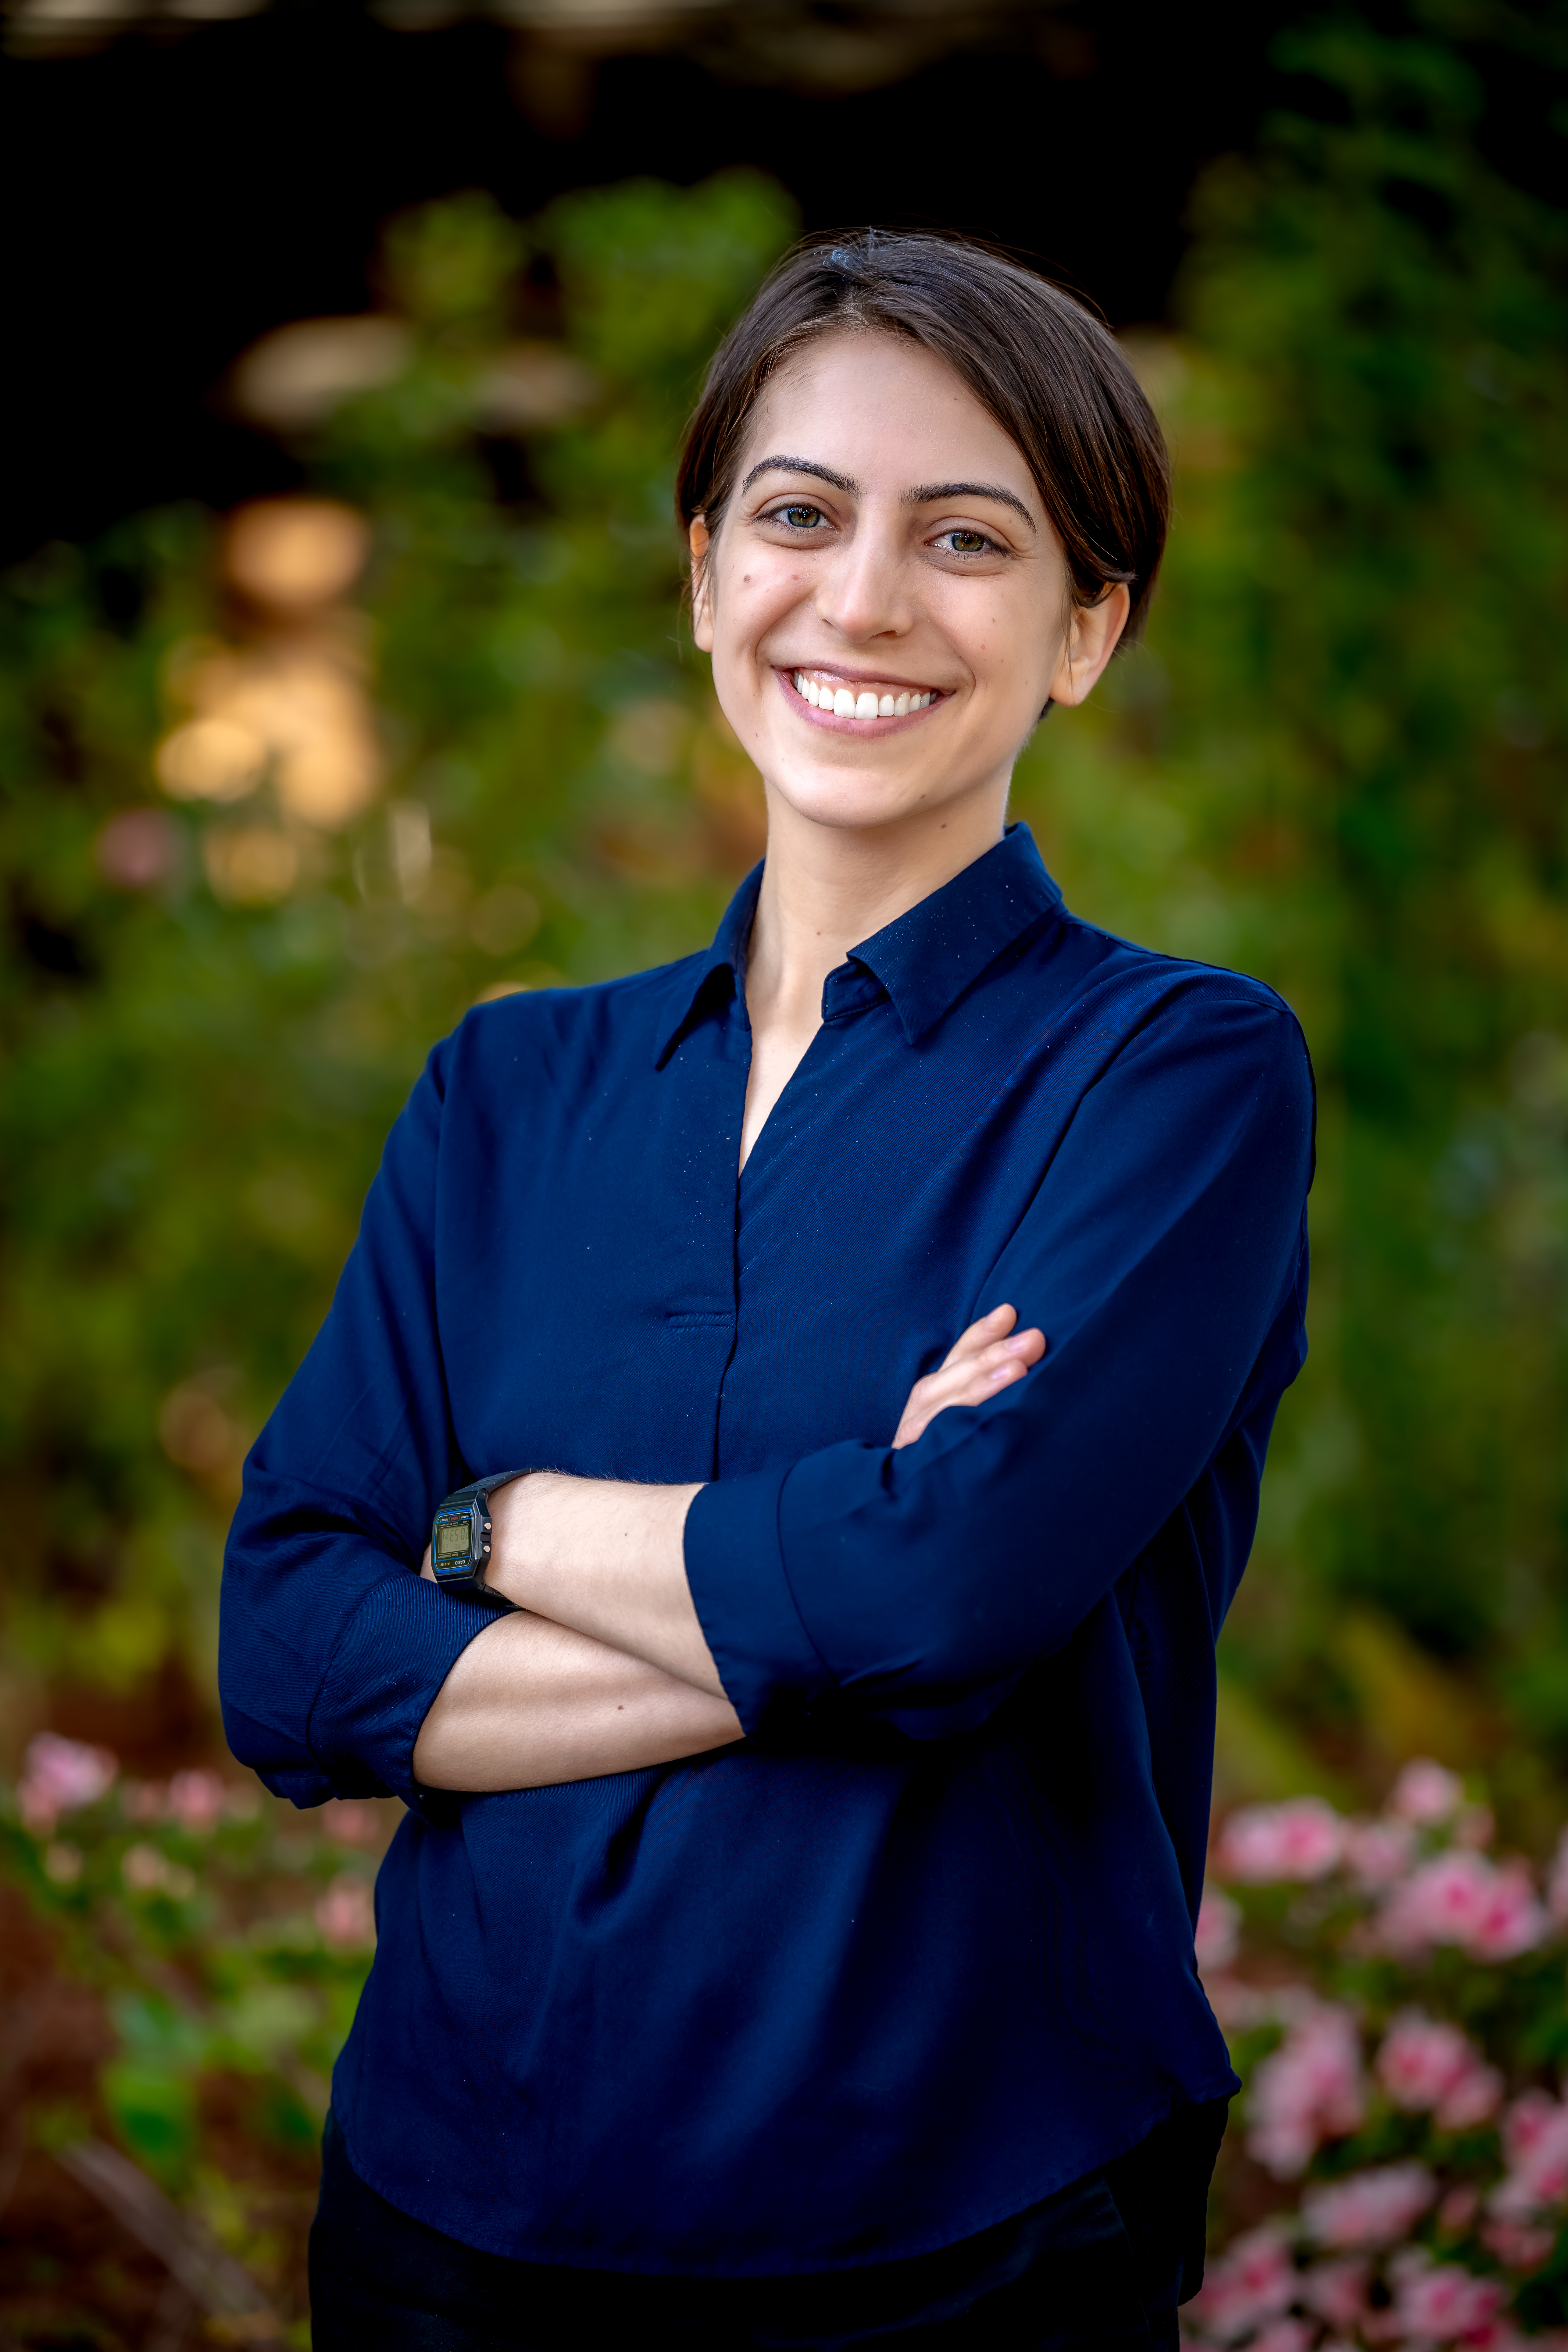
{"x": 997, "y": 1368}
{"x": 966, "y": 1383}
{"x": 990, "y": 1328}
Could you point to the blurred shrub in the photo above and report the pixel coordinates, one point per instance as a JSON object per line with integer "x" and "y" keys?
{"x": 227, "y": 1940}
{"x": 1341, "y": 762}
{"x": 280, "y": 798}
{"x": 1392, "y": 1995}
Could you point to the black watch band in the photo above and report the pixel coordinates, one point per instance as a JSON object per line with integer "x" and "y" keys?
{"x": 460, "y": 1535}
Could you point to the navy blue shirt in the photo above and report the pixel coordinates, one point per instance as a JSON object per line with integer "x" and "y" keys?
{"x": 920, "y": 1949}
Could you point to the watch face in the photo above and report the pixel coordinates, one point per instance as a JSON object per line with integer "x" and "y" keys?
{"x": 452, "y": 1540}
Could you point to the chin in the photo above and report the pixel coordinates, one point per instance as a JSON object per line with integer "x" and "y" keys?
{"x": 855, "y": 804}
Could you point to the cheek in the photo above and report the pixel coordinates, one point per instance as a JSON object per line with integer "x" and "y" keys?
{"x": 750, "y": 604}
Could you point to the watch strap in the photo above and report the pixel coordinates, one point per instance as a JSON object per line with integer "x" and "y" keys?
{"x": 480, "y": 1488}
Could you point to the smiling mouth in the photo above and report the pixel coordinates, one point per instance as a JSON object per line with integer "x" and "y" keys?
{"x": 853, "y": 697}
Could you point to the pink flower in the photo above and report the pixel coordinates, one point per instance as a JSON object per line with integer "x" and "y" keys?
{"x": 349, "y": 1821}
{"x": 1375, "y": 2208}
{"x": 1284, "y": 2336}
{"x": 1336, "y": 2291}
{"x": 1532, "y": 2121}
{"x": 1522, "y": 2246}
{"x": 1442, "y": 2299}
{"x": 1255, "y": 2281}
{"x": 1426, "y": 1794}
{"x": 196, "y": 1799}
{"x": 346, "y": 1913}
{"x": 1218, "y": 1931}
{"x": 1377, "y": 1852}
{"x": 150, "y": 1871}
{"x": 1307, "y": 2091}
{"x": 1474, "y": 2099}
{"x": 1420, "y": 2060}
{"x": 1261, "y": 1844}
{"x": 1535, "y": 2146}
{"x": 1425, "y": 2066}
{"x": 60, "y": 1776}
{"x": 1489, "y": 1911}
{"x": 138, "y": 847}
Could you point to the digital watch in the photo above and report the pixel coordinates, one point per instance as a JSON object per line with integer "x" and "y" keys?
{"x": 460, "y": 1535}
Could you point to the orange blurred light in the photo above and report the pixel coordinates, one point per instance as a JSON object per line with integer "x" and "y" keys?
{"x": 291, "y": 556}
{"x": 296, "y": 376}
{"x": 214, "y": 759}
{"x": 251, "y": 865}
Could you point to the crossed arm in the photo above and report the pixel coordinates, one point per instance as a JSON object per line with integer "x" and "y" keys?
{"x": 608, "y": 1670}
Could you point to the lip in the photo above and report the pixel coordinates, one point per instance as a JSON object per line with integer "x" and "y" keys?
{"x": 861, "y": 726}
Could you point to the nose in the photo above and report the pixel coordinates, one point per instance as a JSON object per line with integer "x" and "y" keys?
{"x": 866, "y": 588}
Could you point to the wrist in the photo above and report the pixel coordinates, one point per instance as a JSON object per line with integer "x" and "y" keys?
{"x": 513, "y": 1508}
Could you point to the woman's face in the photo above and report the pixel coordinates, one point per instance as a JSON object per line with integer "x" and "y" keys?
{"x": 886, "y": 552}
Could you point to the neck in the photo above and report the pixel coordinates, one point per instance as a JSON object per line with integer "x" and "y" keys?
{"x": 827, "y": 886}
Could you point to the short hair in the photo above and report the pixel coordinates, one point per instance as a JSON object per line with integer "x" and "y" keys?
{"x": 1051, "y": 374}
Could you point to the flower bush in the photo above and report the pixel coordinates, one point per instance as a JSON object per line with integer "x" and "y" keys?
{"x": 1393, "y": 1990}
{"x": 215, "y": 1943}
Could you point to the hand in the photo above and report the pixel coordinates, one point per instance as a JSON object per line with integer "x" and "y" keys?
{"x": 982, "y": 1360}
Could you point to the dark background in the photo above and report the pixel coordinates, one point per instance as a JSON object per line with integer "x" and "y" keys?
{"x": 172, "y": 192}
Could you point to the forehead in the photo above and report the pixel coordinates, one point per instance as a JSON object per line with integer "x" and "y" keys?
{"x": 887, "y": 413}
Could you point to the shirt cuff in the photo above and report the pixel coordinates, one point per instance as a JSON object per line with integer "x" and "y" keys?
{"x": 734, "y": 1567}
{"x": 398, "y": 1649}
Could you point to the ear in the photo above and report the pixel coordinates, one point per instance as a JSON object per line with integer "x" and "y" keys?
{"x": 1092, "y": 638}
{"x": 700, "y": 543}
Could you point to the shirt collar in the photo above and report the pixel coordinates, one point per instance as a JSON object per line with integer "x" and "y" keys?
{"x": 923, "y": 962}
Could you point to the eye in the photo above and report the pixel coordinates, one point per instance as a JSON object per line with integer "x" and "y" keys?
{"x": 967, "y": 543}
{"x": 798, "y": 517}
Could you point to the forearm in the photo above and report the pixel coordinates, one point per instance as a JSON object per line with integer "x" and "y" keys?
{"x": 609, "y": 1558}
{"x": 530, "y": 1704}
{"x": 606, "y": 1558}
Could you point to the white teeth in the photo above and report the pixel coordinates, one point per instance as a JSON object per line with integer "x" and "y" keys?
{"x": 864, "y": 705}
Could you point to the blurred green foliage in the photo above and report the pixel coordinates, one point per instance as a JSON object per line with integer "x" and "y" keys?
{"x": 1338, "y": 761}
{"x": 226, "y": 1942}
{"x": 212, "y": 1010}
{"x": 1341, "y": 763}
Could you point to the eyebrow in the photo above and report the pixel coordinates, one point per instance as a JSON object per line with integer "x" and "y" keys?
{"x": 933, "y": 493}
{"x": 927, "y": 494}
{"x": 800, "y": 466}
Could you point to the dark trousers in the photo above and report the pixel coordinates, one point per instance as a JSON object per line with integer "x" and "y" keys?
{"x": 1099, "y": 2267}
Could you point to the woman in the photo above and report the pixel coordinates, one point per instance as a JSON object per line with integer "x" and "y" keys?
{"x": 868, "y": 1332}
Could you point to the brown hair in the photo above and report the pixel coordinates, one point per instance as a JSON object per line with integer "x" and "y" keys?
{"x": 1050, "y": 372}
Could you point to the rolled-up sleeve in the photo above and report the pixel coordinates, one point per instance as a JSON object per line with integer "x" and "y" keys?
{"x": 332, "y": 1646}
{"x": 1163, "y": 1256}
